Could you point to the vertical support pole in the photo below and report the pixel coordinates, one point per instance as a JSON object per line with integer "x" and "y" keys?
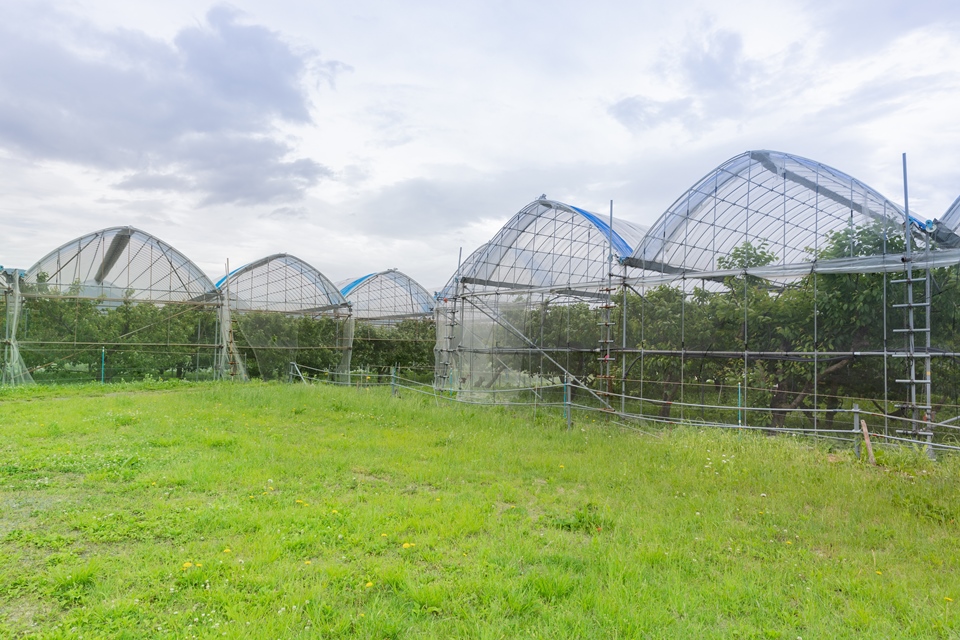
{"x": 886, "y": 375}
{"x": 856, "y": 428}
{"x": 567, "y": 408}
{"x": 739, "y": 405}
{"x": 816, "y": 351}
{"x": 886, "y": 344}
{"x": 393, "y": 381}
{"x": 103, "y": 364}
{"x": 746, "y": 297}
{"x": 623, "y": 346}
{"x": 197, "y": 369}
{"x": 742, "y": 393}
{"x": 643, "y": 343}
{"x": 927, "y": 361}
{"x": 816, "y": 311}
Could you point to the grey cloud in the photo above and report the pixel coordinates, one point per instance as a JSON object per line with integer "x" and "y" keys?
{"x": 447, "y": 207}
{"x": 420, "y": 206}
{"x": 197, "y": 115}
{"x": 438, "y": 207}
{"x": 715, "y": 65}
{"x": 714, "y": 73}
{"x": 245, "y": 65}
{"x": 258, "y": 172}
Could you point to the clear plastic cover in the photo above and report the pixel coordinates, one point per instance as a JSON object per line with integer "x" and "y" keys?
{"x": 387, "y": 296}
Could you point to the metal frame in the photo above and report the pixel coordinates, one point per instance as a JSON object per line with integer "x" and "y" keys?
{"x": 804, "y": 217}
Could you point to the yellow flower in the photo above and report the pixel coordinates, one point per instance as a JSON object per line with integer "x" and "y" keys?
{"x": 369, "y": 584}
{"x": 948, "y": 599}
{"x": 383, "y": 535}
{"x": 879, "y": 573}
{"x": 561, "y": 466}
{"x": 789, "y": 542}
{"x": 199, "y": 565}
{"x": 306, "y": 562}
{"x": 335, "y": 511}
{"x": 407, "y": 545}
{"x": 298, "y": 501}
{"x": 187, "y": 565}
{"x": 227, "y": 550}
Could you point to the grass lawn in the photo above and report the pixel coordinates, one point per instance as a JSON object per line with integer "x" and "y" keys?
{"x": 281, "y": 511}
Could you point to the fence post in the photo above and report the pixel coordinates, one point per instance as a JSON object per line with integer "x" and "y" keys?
{"x": 739, "y": 405}
{"x": 393, "y": 381}
{"x": 856, "y": 429}
{"x": 567, "y": 401}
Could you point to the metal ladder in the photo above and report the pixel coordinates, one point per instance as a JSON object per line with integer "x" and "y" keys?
{"x": 916, "y": 351}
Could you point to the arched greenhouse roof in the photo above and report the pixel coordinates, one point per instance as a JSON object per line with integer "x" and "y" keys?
{"x": 787, "y": 204}
{"x": 285, "y": 284}
{"x": 547, "y": 244}
{"x": 120, "y": 263}
{"x": 387, "y": 295}
{"x": 951, "y": 218}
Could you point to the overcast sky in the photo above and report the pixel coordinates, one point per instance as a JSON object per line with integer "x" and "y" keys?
{"x": 367, "y": 135}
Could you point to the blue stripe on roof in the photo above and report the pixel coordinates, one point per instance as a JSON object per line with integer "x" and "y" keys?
{"x": 353, "y": 285}
{"x": 618, "y": 242}
{"x": 224, "y": 278}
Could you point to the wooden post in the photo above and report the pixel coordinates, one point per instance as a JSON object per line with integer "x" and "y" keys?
{"x": 866, "y": 440}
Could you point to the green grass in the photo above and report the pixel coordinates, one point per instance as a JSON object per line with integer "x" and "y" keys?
{"x": 271, "y": 511}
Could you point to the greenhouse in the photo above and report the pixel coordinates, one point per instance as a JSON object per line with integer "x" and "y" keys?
{"x": 395, "y": 328}
{"x": 288, "y": 312}
{"x": 951, "y": 218}
{"x": 116, "y": 304}
{"x": 782, "y": 293}
{"x": 777, "y": 293}
{"x": 497, "y": 317}
{"x": 387, "y": 297}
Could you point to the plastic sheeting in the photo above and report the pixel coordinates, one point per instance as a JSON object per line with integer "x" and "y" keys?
{"x": 116, "y": 264}
{"x": 787, "y": 205}
{"x": 387, "y": 296}
{"x": 546, "y": 244}
{"x": 13, "y": 370}
{"x": 285, "y": 308}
